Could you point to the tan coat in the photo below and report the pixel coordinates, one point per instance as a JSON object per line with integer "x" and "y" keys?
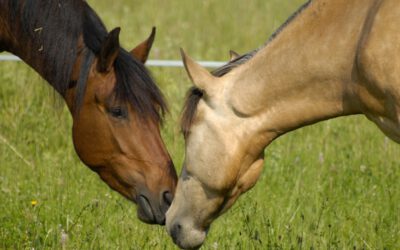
{"x": 335, "y": 58}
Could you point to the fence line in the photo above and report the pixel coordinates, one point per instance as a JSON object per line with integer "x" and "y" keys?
{"x": 151, "y": 63}
{"x": 9, "y": 58}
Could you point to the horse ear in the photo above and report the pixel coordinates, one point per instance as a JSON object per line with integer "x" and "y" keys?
{"x": 200, "y": 76}
{"x": 109, "y": 51}
{"x": 141, "y": 51}
{"x": 233, "y": 55}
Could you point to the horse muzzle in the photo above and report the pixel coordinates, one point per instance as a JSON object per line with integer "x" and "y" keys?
{"x": 185, "y": 236}
{"x": 152, "y": 211}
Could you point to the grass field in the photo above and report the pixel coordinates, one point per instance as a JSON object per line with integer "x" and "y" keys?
{"x": 334, "y": 185}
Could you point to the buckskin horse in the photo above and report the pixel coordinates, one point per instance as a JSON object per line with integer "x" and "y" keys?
{"x": 116, "y": 107}
{"x": 331, "y": 58}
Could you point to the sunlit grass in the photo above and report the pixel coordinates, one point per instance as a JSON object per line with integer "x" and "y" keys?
{"x": 334, "y": 185}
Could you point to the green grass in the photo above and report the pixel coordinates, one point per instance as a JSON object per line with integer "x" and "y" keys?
{"x": 334, "y": 185}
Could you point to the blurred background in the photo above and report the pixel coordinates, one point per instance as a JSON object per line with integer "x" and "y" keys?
{"x": 333, "y": 185}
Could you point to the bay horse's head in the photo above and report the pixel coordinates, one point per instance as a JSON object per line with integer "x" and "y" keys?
{"x": 116, "y": 124}
{"x": 223, "y": 157}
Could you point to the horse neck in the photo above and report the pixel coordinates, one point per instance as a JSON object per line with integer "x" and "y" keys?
{"x": 36, "y": 49}
{"x": 304, "y": 75}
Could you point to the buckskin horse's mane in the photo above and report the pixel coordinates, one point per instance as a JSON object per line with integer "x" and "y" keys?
{"x": 56, "y": 27}
{"x": 194, "y": 94}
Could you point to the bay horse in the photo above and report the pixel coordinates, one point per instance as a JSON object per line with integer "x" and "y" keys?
{"x": 116, "y": 107}
{"x": 331, "y": 58}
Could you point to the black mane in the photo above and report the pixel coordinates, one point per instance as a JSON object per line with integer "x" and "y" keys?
{"x": 134, "y": 83}
{"x": 194, "y": 94}
{"x": 52, "y": 29}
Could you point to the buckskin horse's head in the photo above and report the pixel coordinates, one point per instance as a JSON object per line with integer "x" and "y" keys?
{"x": 223, "y": 158}
{"x": 116, "y": 126}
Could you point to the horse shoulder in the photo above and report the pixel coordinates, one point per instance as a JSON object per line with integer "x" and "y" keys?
{"x": 378, "y": 62}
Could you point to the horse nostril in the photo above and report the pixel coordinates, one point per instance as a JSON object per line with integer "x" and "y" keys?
{"x": 167, "y": 196}
{"x": 176, "y": 229}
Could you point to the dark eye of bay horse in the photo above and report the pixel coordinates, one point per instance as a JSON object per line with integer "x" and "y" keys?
{"x": 115, "y": 105}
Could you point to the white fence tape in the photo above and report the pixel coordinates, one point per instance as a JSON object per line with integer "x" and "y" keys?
{"x": 9, "y": 58}
{"x": 152, "y": 63}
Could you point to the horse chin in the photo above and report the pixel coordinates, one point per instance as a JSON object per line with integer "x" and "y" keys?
{"x": 191, "y": 244}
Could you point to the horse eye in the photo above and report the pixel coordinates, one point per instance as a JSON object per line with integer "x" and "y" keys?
{"x": 118, "y": 112}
